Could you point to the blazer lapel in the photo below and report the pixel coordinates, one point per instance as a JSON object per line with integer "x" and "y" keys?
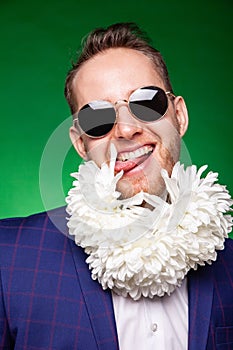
{"x": 98, "y": 302}
{"x": 200, "y": 291}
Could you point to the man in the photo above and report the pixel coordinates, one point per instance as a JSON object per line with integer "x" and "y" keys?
{"x": 128, "y": 123}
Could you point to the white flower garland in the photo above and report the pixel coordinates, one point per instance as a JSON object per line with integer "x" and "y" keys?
{"x": 136, "y": 251}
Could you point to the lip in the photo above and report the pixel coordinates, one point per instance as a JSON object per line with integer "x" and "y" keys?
{"x": 132, "y": 166}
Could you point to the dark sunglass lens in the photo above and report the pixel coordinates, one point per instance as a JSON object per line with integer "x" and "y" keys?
{"x": 148, "y": 104}
{"x": 96, "y": 122}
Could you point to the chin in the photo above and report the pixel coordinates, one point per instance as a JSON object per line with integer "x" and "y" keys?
{"x": 129, "y": 187}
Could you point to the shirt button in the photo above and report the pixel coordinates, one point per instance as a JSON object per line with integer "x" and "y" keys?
{"x": 154, "y": 327}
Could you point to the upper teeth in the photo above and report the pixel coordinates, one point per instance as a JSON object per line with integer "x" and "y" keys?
{"x": 138, "y": 153}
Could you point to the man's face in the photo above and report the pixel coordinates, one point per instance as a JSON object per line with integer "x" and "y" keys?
{"x": 143, "y": 149}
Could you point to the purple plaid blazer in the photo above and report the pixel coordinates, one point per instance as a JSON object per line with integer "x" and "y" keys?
{"x": 49, "y": 301}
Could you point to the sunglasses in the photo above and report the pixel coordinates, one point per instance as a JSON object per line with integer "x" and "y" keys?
{"x": 147, "y": 104}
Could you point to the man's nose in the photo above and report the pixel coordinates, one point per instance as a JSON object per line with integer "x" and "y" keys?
{"x": 126, "y": 126}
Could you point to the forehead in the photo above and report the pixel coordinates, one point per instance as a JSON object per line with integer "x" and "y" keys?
{"x": 113, "y": 75}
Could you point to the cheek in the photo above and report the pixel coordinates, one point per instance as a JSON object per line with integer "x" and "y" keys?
{"x": 167, "y": 150}
{"x": 168, "y": 157}
{"x": 97, "y": 150}
{"x": 166, "y": 131}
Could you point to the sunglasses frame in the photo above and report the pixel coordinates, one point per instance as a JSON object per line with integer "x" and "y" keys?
{"x": 115, "y": 107}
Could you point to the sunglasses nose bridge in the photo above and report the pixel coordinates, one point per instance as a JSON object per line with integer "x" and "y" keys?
{"x": 122, "y": 110}
{"x": 120, "y": 103}
{"x": 119, "y": 106}
{"x": 126, "y": 124}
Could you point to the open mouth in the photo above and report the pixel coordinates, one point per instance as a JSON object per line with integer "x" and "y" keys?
{"x": 127, "y": 161}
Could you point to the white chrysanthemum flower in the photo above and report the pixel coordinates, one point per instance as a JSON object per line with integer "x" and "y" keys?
{"x": 136, "y": 251}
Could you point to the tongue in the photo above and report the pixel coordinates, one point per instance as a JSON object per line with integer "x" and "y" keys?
{"x": 125, "y": 166}
{"x": 130, "y": 163}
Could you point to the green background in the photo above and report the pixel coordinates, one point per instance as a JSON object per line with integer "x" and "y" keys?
{"x": 38, "y": 42}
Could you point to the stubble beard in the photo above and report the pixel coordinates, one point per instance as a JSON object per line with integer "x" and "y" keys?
{"x": 152, "y": 182}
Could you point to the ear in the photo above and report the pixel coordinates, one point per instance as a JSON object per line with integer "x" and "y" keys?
{"x": 181, "y": 114}
{"x": 78, "y": 143}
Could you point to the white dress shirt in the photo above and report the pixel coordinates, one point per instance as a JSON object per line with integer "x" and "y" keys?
{"x": 158, "y": 323}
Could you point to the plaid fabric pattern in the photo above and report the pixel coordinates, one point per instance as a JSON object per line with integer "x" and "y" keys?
{"x": 211, "y": 304}
{"x": 42, "y": 305}
{"x": 49, "y": 301}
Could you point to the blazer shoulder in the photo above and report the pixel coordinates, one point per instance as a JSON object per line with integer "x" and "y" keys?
{"x": 34, "y": 221}
{"x": 30, "y": 231}
{"x": 225, "y": 256}
{"x": 229, "y": 243}
{"x": 222, "y": 268}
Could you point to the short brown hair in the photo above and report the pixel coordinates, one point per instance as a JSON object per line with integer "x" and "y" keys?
{"x": 119, "y": 35}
